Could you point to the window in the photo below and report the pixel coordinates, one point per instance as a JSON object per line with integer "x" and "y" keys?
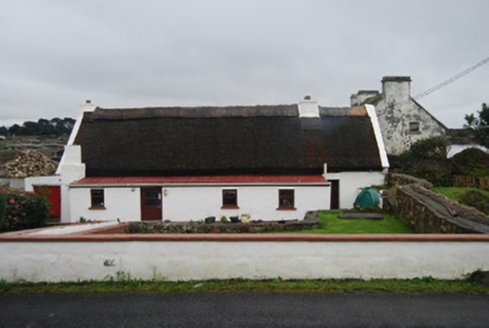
{"x": 286, "y": 199}
{"x": 414, "y": 127}
{"x": 230, "y": 198}
{"x": 97, "y": 198}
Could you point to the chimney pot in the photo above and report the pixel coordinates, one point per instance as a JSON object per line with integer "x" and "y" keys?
{"x": 307, "y": 97}
{"x": 88, "y": 101}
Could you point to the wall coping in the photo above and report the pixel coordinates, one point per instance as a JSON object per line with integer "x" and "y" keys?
{"x": 112, "y": 234}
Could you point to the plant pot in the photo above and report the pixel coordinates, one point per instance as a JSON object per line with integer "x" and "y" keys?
{"x": 210, "y": 219}
{"x": 234, "y": 219}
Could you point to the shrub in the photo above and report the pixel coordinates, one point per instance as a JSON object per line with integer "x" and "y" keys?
{"x": 476, "y": 199}
{"x": 22, "y": 210}
{"x": 433, "y": 148}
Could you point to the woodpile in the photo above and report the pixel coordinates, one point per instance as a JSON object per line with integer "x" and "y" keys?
{"x": 28, "y": 163}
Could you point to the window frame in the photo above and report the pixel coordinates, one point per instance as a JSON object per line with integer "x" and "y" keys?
{"x": 282, "y": 198}
{"x": 97, "y": 199}
{"x": 414, "y": 127}
{"x": 226, "y": 197}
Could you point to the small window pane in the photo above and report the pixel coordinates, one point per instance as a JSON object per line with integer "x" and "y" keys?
{"x": 230, "y": 197}
{"x": 286, "y": 198}
{"x": 151, "y": 198}
{"x": 97, "y": 197}
{"x": 413, "y": 127}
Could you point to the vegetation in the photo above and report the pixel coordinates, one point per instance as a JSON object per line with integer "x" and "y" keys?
{"x": 22, "y": 210}
{"x": 480, "y": 125}
{"x": 412, "y": 286}
{"x": 331, "y": 223}
{"x": 474, "y": 197}
{"x": 458, "y": 193}
{"x": 42, "y": 127}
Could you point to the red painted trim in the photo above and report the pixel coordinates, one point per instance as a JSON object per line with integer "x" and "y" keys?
{"x": 286, "y": 209}
{"x": 204, "y": 179}
{"x": 100, "y": 235}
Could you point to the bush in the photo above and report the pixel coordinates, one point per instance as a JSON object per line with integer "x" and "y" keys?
{"x": 476, "y": 199}
{"x": 22, "y": 210}
{"x": 431, "y": 148}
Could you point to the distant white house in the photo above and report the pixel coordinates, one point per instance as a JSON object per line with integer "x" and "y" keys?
{"x": 270, "y": 162}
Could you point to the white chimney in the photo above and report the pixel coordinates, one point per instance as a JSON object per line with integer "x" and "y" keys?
{"x": 308, "y": 108}
{"x": 396, "y": 88}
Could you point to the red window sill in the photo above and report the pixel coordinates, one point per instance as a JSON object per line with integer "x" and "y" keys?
{"x": 230, "y": 207}
{"x": 286, "y": 209}
{"x": 97, "y": 208}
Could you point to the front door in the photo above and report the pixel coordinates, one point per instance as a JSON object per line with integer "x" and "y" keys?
{"x": 151, "y": 204}
{"x": 335, "y": 194}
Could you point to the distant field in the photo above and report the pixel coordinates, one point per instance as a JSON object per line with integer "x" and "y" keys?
{"x": 44, "y": 144}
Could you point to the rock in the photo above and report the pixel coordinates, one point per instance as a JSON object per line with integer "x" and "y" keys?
{"x": 28, "y": 163}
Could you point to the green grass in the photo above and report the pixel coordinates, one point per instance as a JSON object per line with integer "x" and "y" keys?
{"x": 422, "y": 285}
{"x": 330, "y": 223}
{"x": 457, "y": 193}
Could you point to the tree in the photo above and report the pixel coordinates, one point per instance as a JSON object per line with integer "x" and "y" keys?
{"x": 480, "y": 125}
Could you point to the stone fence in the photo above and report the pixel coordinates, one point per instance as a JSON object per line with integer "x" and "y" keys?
{"x": 429, "y": 212}
{"x": 310, "y": 222}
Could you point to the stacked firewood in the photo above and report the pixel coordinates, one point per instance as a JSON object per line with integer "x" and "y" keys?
{"x": 28, "y": 163}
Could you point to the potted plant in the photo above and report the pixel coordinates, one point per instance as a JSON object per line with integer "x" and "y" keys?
{"x": 210, "y": 219}
{"x": 234, "y": 219}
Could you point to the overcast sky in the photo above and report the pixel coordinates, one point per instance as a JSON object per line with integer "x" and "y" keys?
{"x": 56, "y": 54}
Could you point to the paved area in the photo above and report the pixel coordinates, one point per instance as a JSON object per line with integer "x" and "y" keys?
{"x": 243, "y": 310}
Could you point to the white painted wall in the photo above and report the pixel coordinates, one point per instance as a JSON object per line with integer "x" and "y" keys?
{"x": 352, "y": 183}
{"x": 196, "y": 203}
{"x": 395, "y": 110}
{"x": 261, "y": 202}
{"x": 52, "y": 180}
{"x": 452, "y": 150}
{"x": 122, "y": 203}
{"x": 174, "y": 261}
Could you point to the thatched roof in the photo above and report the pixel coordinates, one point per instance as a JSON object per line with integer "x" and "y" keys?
{"x": 226, "y": 140}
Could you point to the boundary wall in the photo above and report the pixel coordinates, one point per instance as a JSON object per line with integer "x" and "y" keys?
{"x": 98, "y": 255}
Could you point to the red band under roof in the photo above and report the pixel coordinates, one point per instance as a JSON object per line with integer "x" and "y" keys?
{"x": 234, "y": 179}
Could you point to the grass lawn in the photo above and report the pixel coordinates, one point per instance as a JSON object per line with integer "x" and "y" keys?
{"x": 421, "y": 285}
{"x": 330, "y": 223}
{"x": 457, "y": 193}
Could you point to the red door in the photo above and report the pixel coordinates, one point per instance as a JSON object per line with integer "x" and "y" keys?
{"x": 53, "y": 196}
{"x": 151, "y": 204}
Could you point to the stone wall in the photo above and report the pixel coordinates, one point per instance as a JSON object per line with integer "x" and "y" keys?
{"x": 428, "y": 212}
{"x": 310, "y": 222}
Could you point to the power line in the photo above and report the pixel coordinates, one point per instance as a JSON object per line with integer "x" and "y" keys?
{"x": 451, "y": 80}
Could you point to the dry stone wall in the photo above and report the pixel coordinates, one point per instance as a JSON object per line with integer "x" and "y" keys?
{"x": 428, "y": 212}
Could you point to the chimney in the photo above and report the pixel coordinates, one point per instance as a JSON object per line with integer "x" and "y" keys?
{"x": 308, "y": 107}
{"x": 396, "y": 88}
{"x": 87, "y": 106}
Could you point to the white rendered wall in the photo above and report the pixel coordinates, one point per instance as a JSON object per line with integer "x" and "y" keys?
{"x": 352, "y": 183}
{"x": 120, "y": 203}
{"x": 52, "y": 180}
{"x": 197, "y": 203}
{"x": 260, "y": 202}
{"x": 396, "y": 110}
{"x": 183, "y": 260}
